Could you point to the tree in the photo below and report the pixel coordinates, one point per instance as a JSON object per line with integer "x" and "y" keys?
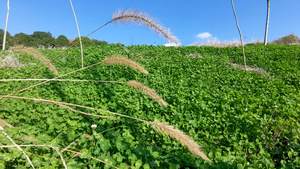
{"x": 8, "y": 40}
{"x": 99, "y": 42}
{"x": 23, "y": 39}
{"x": 267, "y": 23}
{"x": 62, "y": 41}
{"x": 86, "y": 42}
{"x": 44, "y": 39}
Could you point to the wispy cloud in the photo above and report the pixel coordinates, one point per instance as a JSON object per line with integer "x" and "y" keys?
{"x": 204, "y": 35}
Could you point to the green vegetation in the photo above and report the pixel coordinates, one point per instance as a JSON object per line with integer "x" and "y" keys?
{"x": 242, "y": 119}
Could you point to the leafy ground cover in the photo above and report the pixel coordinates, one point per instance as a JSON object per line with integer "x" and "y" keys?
{"x": 242, "y": 119}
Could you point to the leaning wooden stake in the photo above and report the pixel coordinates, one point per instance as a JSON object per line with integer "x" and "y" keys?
{"x": 5, "y": 32}
{"x": 18, "y": 147}
{"x": 78, "y": 34}
{"x": 242, "y": 44}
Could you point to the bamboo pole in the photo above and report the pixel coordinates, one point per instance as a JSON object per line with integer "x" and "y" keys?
{"x": 238, "y": 27}
{"x": 78, "y": 33}
{"x": 267, "y": 23}
{"x": 5, "y": 32}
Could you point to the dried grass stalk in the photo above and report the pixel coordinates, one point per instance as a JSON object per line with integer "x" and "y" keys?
{"x": 18, "y": 147}
{"x": 121, "y": 60}
{"x": 182, "y": 137}
{"x": 87, "y": 136}
{"x": 148, "y": 91}
{"x": 37, "y": 55}
{"x": 29, "y": 138}
{"x": 135, "y": 16}
{"x": 4, "y": 123}
{"x": 79, "y": 153}
{"x": 55, "y": 148}
{"x": 79, "y": 37}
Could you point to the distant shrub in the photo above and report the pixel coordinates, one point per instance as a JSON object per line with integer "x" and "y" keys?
{"x": 287, "y": 40}
{"x": 62, "y": 41}
{"x": 86, "y": 42}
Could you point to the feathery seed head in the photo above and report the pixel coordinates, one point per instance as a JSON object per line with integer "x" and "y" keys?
{"x": 135, "y": 16}
{"x": 121, "y": 60}
{"x": 148, "y": 91}
{"x": 180, "y": 136}
{"x": 37, "y": 55}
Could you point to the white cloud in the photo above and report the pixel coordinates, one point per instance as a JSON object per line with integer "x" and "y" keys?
{"x": 204, "y": 35}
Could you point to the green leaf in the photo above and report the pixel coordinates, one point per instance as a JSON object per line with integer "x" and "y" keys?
{"x": 138, "y": 163}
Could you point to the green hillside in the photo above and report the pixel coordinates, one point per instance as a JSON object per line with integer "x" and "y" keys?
{"x": 241, "y": 119}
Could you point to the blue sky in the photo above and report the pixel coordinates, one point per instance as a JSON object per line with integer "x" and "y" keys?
{"x": 186, "y": 19}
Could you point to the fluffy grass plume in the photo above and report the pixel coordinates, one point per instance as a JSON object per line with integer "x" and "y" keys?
{"x": 135, "y": 16}
{"x": 148, "y": 91}
{"x": 120, "y": 60}
{"x": 37, "y": 55}
{"x": 182, "y": 137}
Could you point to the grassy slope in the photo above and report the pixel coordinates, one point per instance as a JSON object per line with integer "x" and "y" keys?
{"x": 240, "y": 118}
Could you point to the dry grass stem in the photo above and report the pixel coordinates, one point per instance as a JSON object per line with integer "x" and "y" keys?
{"x": 61, "y": 80}
{"x": 88, "y": 114}
{"x": 4, "y": 123}
{"x": 29, "y": 138}
{"x": 135, "y": 16}
{"x": 76, "y": 105}
{"x": 62, "y": 104}
{"x": 76, "y": 152}
{"x": 18, "y": 90}
{"x": 87, "y": 136}
{"x": 182, "y": 137}
{"x": 37, "y": 55}
{"x": 74, "y": 142}
{"x": 148, "y": 91}
{"x": 55, "y": 148}
{"x": 79, "y": 37}
{"x": 121, "y": 60}
{"x": 18, "y": 147}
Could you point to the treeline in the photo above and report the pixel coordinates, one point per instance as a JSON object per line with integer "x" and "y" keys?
{"x": 44, "y": 40}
